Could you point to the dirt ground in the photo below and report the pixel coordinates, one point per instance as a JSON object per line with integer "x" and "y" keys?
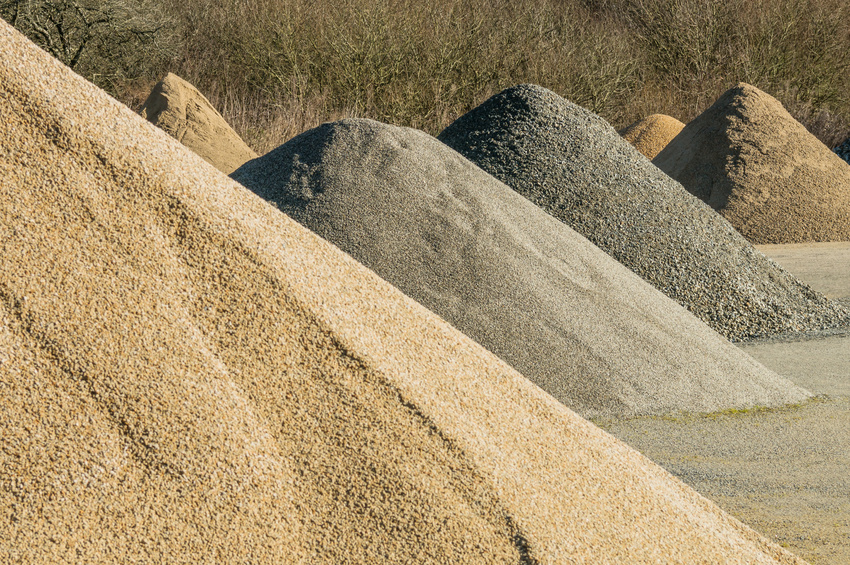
{"x": 785, "y": 472}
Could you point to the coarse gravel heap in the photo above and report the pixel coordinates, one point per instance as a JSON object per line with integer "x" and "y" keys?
{"x": 189, "y": 376}
{"x": 652, "y": 134}
{"x": 530, "y": 289}
{"x": 573, "y": 164}
{"x": 179, "y": 109}
{"x": 750, "y": 160}
{"x": 843, "y": 150}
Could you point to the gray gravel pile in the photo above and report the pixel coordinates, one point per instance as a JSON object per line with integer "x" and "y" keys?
{"x": 533, "y": 291}
{"x": 573, "y": 164}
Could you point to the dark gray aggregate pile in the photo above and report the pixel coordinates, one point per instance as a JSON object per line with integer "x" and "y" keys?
{"x": 533, "y": 291}
{"x": 843, "y": 150}
{"x": 575, "y": 166}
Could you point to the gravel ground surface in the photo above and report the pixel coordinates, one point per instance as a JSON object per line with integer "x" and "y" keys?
{"x": 573, "y": 164}
{"x": 530, "y": 289}
{"x": 179, "y": 109}
{"x": 188, "y": 376}
{"x": 821, "y": 364}
{"x": 823, "y": 266}
{"x": 652, "y": 134}
{"x": 750, "y": 160}
{"x": 782, "y": 471}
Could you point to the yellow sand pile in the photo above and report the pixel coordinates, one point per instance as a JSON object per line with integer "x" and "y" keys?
{"x": 187, "y": 375}
{"x": 184, "y": 113}
{"x": 762, "y": 170}
{"x": 652, "y": 134}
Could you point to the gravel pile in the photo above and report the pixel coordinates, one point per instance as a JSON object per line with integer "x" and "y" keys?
{"x": 573, "y": 164}
{"x": 843, "y": 150}
{"x": 186, "y": 115}
{"x": 498, "y": 268}
{"x": 652, "y": 134}
{"x": 189, "y": 376}
{"x": 762, "y": 170}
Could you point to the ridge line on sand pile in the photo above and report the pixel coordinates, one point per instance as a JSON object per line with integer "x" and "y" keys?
{"x": 246, "y": 379}
{"x": 572, "y": 163}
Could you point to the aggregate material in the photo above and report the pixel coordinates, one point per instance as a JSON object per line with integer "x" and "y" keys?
{"x": 652, "y": 134}
{"x": 185, "y": 114}
{"x": 781, "y": 471}
{"x": 573, "y": 164}
{"x": 762, "y": 170}
{"x": 843, "y": 150}
{"x": 527, "y": 287}
{"x": 189, "y": 376}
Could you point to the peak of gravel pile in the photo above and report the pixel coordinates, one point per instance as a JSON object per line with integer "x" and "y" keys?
{"x": 187, "y": 375}
{"x": 573, "y": 164}
{"x": 843, "y": 150}
{"x": 521, "y": 283}
{"x": 651, "y": 134}
{"x": 186, "y": 115}
{"x": 762, "y": 170}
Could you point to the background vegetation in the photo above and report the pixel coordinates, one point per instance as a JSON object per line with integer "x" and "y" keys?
{"x": 277, "y": 67}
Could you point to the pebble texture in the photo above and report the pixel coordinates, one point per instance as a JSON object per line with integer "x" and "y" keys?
{"x": 186, "y": 115}
{"x": 762, "y": 170}
{"x": 652, "y": 134}
{"x": 530, "y": 289}
{"x": 843, "y": 150}
{"x": 189, "y": 376}
{"x": 573, "y": 164}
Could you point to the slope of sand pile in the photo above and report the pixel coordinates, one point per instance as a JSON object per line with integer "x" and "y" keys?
{"x": 188, "y": 376}
{"x": 762, "y": 170}
{"x": 843, "y": 150}
{"x": 184, "y": 113}
{"x": 573, "y": 164}
{"x": 651, "y": 134}
{"x": 521, "y": 283}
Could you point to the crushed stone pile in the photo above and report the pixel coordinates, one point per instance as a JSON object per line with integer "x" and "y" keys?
{"x": 187, "y": 375}
{"x": 573, "y": 164}
{"x": 652, "y": 134}
{"x": 530, "y": 289}
{"x": 843, "y": 150}
{"x": 185, "y": 114}
{"x": 762, "y": 170}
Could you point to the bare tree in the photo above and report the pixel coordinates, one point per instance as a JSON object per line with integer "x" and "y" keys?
{"x": 103, "y": 40}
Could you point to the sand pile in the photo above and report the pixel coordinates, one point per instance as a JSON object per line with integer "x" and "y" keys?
{"x": 652, "y": 134}
{"x": 184, "y": 113}
{"x": 762, "y": 170}
{"x": 521, "y": 283}
{"x": 189, "y": 376}
{"x": 573, "y": 164}
{"x": 843, "y": 150}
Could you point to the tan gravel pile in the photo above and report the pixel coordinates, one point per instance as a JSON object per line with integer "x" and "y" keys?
{"x": 188, "y": 376}
{"x": 652, "y": 134}
{"x": 762, "y": 170}
{"x": 526, "y": 286}
{"x": 185, "y": 114}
